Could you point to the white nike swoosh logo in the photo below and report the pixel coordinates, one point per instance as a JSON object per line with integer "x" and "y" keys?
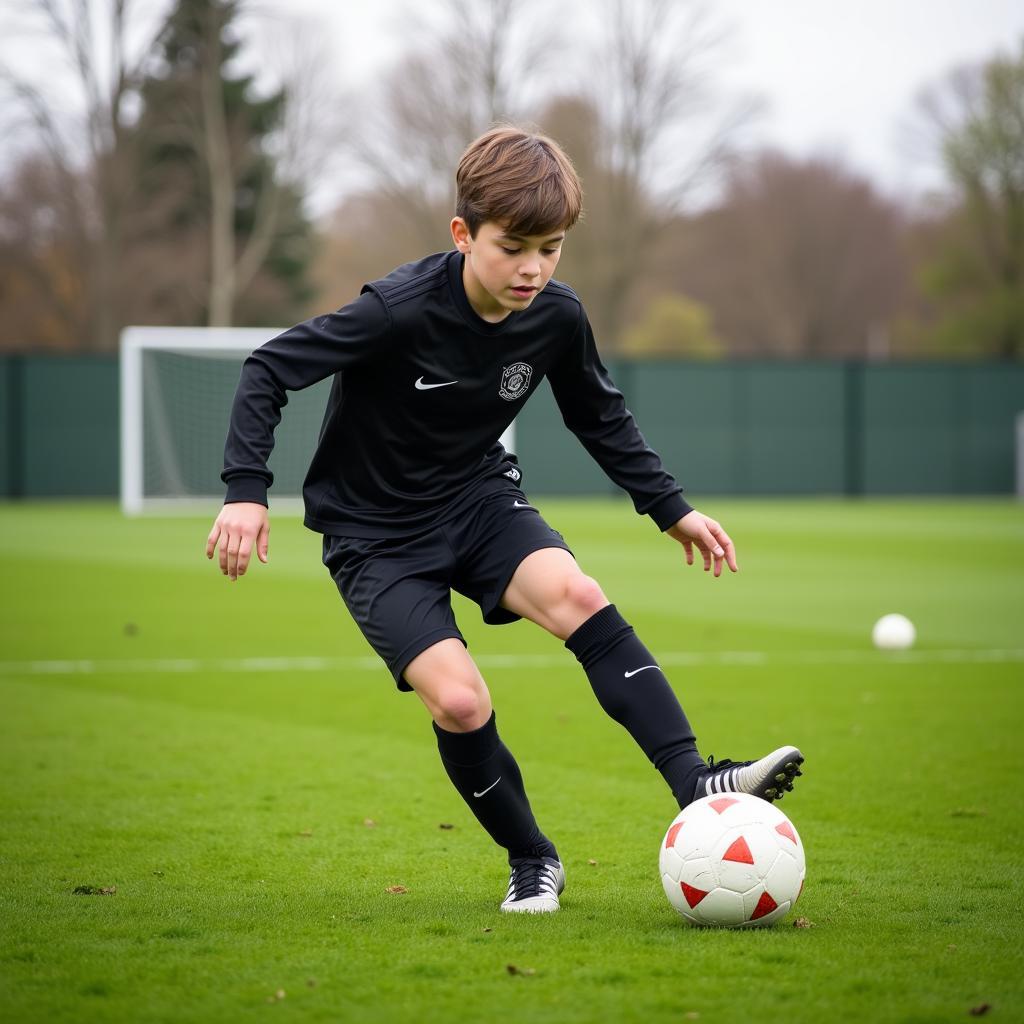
{"x": 420, "y": 386}
{"x": 488, "y": 789}
{"x": 520, "y": 504}
{"x": 634, "y": 672}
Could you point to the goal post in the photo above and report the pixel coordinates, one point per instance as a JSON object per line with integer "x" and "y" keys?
{"x": 177, "y": 385}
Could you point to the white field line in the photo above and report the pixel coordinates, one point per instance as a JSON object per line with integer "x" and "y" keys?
{"x": 366, "y": 663}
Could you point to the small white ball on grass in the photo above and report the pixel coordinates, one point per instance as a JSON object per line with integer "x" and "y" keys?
{"x": 894, "y": 633}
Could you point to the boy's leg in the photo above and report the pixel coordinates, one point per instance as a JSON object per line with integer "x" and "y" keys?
{"x": 480, "y": 766}
{"x": 484, "y": 772}
{"x": 549, "y": 588}
{"x": 399, "y": 594}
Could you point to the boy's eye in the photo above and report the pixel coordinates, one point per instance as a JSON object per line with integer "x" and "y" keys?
{"x": 516, "y": 252}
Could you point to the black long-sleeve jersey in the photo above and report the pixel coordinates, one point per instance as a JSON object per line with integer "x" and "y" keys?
{"x": 423, "y": 389}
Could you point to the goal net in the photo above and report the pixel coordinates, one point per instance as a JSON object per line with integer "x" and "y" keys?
{"x": 177, "y": 385}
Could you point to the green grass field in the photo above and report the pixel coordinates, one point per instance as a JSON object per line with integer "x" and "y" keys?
{"x": 232, "y": 759}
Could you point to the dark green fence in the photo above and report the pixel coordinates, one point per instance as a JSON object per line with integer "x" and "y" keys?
{"x": 60, "y": 417}
{"x": 722, "y": 428}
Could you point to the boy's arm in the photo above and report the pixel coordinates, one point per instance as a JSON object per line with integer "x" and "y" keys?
{"x": 595, "y": 411}
{"x": 299, "y": 357}
{"x": 296, "y": 359}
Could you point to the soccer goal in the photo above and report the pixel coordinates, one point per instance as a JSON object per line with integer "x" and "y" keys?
{"x": 177, "y": 384}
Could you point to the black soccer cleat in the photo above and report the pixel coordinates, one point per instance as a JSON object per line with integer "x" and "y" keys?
{"x": 770, "y": 778}
{"x": 534, "y": 885}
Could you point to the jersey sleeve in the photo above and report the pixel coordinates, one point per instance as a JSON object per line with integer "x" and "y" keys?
{"x": 595, "y": 411}
{"x": 296, "y": 359}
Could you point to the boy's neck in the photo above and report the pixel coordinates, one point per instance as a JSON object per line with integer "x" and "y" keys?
{"x": 480, "y": 300}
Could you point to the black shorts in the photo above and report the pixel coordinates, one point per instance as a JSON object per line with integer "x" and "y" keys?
{"x": 399, "y": 589}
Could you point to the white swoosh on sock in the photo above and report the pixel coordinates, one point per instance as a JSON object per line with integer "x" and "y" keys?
{"x": 634, "y": 672}
{"x": 488, "y": 789}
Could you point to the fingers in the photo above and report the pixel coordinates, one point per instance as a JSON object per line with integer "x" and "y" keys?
{"x": 723, "y": 547}
{"x": 715, "y": 545}
{"x": 229, "y": 545}
{"x": 240, "y": 527}
{"x": 231, "y": 542}
{"x": 244, "y": 554}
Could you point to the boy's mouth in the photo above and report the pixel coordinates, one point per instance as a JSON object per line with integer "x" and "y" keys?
{"x": 524, "y": 291}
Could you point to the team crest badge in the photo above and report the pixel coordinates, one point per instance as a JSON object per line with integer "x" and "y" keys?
{"x": 515, "y": 381}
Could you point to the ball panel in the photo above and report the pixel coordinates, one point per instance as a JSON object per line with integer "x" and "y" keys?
{"x": 669, "y": 862}
{"x": 784, "y": 877}
{"x": 691, "y": 895}
{"x": 770, "y": 918}
{"x": 700, "y": 873}
{"x": 785, "y": 828}
{"x": 739, "y": 852}
{"x": 672, "y": 893}
{"x": 722, "y": 908}
{"x": 673, "y": 831}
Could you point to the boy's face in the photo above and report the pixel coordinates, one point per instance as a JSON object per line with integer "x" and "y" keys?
{"x": 504, "y": 272}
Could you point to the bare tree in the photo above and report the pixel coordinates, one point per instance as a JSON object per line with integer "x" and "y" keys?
{"x": 102, "y": 48}
{"x": 977, "y": 273}
{"x": 118, "y": 209}
{"x": 799, "y": 259}
{"x": 462, "y": 78}
{"x": 663, "y": 132}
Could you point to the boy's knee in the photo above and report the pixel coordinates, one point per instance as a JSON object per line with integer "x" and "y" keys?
{"x": 462, "y": 706}
{"x": 584, "y": 595}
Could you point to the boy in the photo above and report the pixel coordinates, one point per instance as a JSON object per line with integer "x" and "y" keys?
{"x": 415, "y": 497}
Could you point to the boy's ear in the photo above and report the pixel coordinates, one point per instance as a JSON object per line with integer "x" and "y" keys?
{"x": 461, "y": 235}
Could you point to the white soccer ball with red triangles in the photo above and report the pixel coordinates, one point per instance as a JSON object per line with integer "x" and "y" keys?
{"x": 732, "y": 861}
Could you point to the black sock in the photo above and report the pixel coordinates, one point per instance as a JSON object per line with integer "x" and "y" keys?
{"x": 487, "y": 777}
{"x": 633, "y": 690}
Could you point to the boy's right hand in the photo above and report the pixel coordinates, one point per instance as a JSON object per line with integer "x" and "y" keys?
{"x": 238, "y": 526}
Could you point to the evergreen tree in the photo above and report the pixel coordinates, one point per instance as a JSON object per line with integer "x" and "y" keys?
{"x": 221, "y": 236}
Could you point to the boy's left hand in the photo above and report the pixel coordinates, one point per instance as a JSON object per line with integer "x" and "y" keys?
{"x": 712, "y": 541}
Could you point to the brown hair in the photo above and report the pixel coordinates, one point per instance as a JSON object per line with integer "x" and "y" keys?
{"x": 519, "y": 179}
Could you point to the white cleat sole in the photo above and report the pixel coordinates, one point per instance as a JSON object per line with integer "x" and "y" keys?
{"x": 533, "y": 905}
{"x": 545, "y": 903}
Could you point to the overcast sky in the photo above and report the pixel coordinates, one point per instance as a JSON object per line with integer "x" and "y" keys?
{"x": 839, "y": 78}
{"x": 842, "y": 77}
